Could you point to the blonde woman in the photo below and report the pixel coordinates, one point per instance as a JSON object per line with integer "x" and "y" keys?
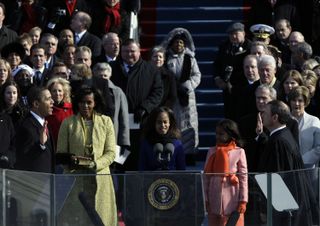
{"x": 5, "y": 71}
{"x": 62, "y": 108}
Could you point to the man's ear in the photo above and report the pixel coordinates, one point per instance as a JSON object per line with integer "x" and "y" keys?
{"x": 35, "y": 104}
{"x": 275, "y": 117}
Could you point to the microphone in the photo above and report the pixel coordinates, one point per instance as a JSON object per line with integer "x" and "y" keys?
{"x": 169, "y": 149}
{"x": 227, "y": 73}
{"x": 158, "y": 149}
{"x": 93, "y": 215}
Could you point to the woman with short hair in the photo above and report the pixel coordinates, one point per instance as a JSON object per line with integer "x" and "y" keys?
{"x": 309, "y": 126}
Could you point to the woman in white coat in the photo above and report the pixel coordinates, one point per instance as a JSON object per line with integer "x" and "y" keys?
{"x": 181, "y": 61}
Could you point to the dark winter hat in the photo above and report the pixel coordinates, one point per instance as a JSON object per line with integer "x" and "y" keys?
{"x": 235, "y": 27}
{"x": 13, "y": 47}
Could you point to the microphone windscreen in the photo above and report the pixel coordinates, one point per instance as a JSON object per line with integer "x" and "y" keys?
{"x": 170, "y": 148}
{"x": 158, "y": 147}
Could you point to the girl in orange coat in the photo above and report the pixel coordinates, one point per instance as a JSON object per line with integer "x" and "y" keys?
{"x": 226, "y": 180}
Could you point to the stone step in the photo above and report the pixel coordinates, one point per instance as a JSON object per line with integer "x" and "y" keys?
{"x": 208, "y": 124}
{"x": 194, "y": 26}
{"x": 210, "y": 110}
{"x": 206, "y": 82}
{"x": 200, "y": 40}
{"x": 205, "y": 67}
{"x": 193, "y": 12}
{"x": 207, "y": 139}
{"x": 190, "y": 3}
{"x": 208, "y": 95}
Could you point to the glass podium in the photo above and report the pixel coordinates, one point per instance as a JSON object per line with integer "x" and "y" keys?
{"x": 152, "y": 198}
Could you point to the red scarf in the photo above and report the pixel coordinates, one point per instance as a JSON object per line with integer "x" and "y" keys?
{"x": 71, "y": 5}
{"x": 219, "y": 161}
{"x": 113, "y": 17}
{"x": 30, "y": 20}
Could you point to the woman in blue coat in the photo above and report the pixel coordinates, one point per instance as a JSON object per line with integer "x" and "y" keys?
{"x": 161, "y": 148}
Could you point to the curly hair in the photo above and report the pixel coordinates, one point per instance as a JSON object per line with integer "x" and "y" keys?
{"x": 65, "y": 86}
{"x": 149, "y": 130}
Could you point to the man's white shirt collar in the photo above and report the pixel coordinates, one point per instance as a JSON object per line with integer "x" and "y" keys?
{"x": 81, "y": 34}
{"x": 277, "y": 129}
{"x": 110, "y": 59}
{"x": 38, "y": 118}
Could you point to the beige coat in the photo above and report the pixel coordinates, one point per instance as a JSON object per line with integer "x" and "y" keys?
{"x": 72, "y": 140}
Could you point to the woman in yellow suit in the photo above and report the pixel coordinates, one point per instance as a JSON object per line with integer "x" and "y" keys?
{"x": 88, "y": 137}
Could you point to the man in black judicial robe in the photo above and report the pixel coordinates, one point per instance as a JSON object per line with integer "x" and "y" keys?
{"x": 249, "y": 123}
{"x": 281, "y": 153}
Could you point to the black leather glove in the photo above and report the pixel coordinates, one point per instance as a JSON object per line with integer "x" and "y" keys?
{"x": 4, "y": 162}
{"x": 138, "y": 115}
{"x": 183, "y": 96}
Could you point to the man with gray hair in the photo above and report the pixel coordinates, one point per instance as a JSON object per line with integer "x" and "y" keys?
{"x": 83, "y": 55}
{"x": 251, "y": 125}
{"x": 267, "y": 70}
{"x": 50, "y": 42}
{"x": 248, "y": 124}
{"x": 111, "y": 48}
{"x": 295, "y": 38}
{"x": 300, "y": 53}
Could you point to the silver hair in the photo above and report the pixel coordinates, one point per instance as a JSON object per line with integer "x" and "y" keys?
{"x": 304, "y": 48}
{"x": 272, "y": 91}
{"x": 101, "y": 66}
{"x": 267, "y": 60}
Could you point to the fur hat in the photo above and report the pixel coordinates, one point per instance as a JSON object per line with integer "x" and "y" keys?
{"x": 180, "y": 33}
{"x": 13, "y": 47}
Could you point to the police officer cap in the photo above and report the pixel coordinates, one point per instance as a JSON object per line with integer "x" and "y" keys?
{"x": 262, "y": 31}
{"x": 235, "y": 27}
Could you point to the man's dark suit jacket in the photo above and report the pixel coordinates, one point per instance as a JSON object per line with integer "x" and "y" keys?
{"x": 93, "y": 42}
{"x": 44, "y": 78}
{"x": 30, "y": 155}
{"x": 143, "y": 85}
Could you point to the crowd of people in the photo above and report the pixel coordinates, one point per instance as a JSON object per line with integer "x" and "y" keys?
{"x": 75, "y": 92}
{"x": 270, "y": 82}
{"x": 259, "y": 65}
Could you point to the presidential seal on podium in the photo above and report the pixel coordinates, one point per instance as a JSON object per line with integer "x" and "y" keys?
{"x": 163, "y": 194}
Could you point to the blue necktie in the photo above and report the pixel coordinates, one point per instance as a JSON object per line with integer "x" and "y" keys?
{"x": 38, "y": 77}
